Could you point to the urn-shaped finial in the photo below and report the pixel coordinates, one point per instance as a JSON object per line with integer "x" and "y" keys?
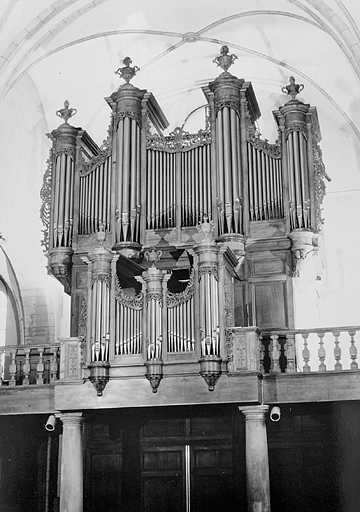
{"x": 292, "y": 89}
{"x": 225, "y": 60}
{"x": 66, "y": 112}
{"x": 127, "y": 72}
{"x": 153, "y": 255}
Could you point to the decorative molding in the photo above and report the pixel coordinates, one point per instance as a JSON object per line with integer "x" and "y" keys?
{"x": 178, "y": 140}
{"x": 45, "y": 209}
{"x": 208, "y": 269}
{"x": 175, "y": 299}
{"x": 122, "y": 298}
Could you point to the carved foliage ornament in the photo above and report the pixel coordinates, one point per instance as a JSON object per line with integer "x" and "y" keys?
{"x": 175, "y": 299}
{"x": 157, "y": 296}
{"x": 104, "y": 278}
{"x": 220, "y": 104}
{"x": 208, "y": 269}
{"x": 45, "y": 209}
{"x": 178, "y": 140}
{"x": 132, "y": 114}
{"x": 297, "y": 127}
{"x": 126, "y": 300}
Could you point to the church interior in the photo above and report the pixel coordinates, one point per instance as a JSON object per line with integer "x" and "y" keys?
{"x": 180, "y": 201}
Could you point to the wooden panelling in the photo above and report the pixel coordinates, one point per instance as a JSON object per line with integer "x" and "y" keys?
{"x": 270, "y": 304}
{"x": 27, "y": 400}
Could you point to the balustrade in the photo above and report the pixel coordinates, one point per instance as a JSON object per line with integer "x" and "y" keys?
{"x": 309, "y": 350}
{"x": 24, "y": 365}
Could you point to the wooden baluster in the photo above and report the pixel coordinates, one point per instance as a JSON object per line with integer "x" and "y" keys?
{"x": 353, "y": 350}
{"x": 12, "y": 367}
{"x": 53, "y": 365}
{"x": 337, "y": 351}
{"x": 290, "y": 353}
{"x": 26, "y": 367}
{"x": 40, "y": 367}
{"x": 275, "y": 354}
{"x": 261, "y": 353}
{"x": 306, "y": 353}
{"x": 321, "y": 352}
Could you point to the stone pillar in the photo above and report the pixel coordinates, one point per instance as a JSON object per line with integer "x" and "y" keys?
{"x": 257, "y": 460}
{"x": 71, "y": 473}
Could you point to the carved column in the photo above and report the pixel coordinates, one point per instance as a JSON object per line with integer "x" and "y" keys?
{"x": 71, "y": 472}
{"x": 126, "y": 104}
{"x": 62, "y": 197}
{"x": 299, "y": 126}
{"x": 98, "y": 329}
{"x": 207, "y": 252}
{"x": 257, "y": 460}
{"x": 155, "y": 333}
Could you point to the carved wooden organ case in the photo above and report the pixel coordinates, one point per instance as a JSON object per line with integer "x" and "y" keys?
{"x": 167, "y": 242}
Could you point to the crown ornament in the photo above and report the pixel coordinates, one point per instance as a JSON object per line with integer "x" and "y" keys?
{"x": 127, "y": 72}
{"x": 292, "y": 89}
{"x": 225, "y": 60}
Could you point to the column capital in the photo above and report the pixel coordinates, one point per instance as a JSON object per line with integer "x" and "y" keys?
{"x": 71, "y": 419}
{"x": 254, "y": 412}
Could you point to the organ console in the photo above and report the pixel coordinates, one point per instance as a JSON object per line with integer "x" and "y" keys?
{"x": 231, "y": 215}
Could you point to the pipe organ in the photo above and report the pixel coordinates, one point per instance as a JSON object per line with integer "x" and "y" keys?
{"x": 230, "y": 214}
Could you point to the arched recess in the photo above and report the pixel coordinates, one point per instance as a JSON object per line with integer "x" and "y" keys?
{"x": 12, "y": 303}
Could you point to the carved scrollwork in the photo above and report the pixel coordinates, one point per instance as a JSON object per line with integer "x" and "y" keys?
{"x": 126, "y": 300}
{"x": 209, "y": 269}
{"x": 89, "y": 164}
{"x": 178, "y": 140}
{"x": 45, "y": 195}
{"x": 103, "y": 277}
{"x": 175, "y": 299}
{"x": 254, "y": 137}
{"x": 319, "y": 175}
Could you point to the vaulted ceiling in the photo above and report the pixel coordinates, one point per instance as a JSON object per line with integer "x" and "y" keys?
{"x": 51, "y": 51}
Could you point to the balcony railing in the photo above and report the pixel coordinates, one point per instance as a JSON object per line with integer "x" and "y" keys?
{"x": 309, "y": 350}
{"x": 331, "y": 349}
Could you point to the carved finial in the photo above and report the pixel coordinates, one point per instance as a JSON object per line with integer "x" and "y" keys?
{"x": 206, "y": 227}
{"x": 101, "y": 234}
{"x": 292, "y": 89}
{"x": 66, "y": 112}
{"x": 153, "y": 255}
{"x": 127, "y": 72}
{"x": 224, "y": 60}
